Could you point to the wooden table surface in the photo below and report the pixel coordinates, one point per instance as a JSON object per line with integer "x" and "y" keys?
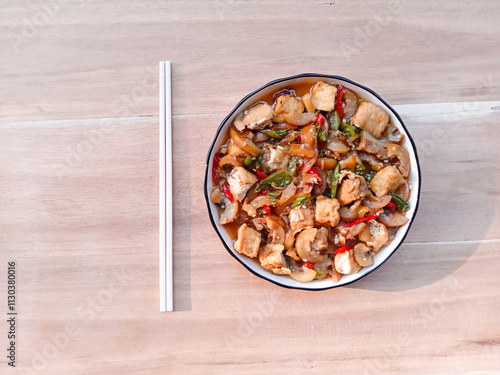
{"x": 79, "y": 188}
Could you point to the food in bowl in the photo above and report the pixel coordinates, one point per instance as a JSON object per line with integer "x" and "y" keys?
{"x": 312, "y": 182}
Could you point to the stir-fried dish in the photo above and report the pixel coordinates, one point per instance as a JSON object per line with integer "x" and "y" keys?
{"x": 312, "y": 186}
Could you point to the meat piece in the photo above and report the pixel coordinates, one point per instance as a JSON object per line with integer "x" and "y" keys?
{"x": 271, "y": 258}
{"x": 321, "y": 240}
{"x": 379, "y": 233}
{"x": 345, "y": 263}
{"x": 372, "y": 145}
{"x": 232, "y": 149}
{"x": 350, "y": 188}
{"x": 388, "y": 179}
{"x": 240, "y": 181}
{"x": 287, "y": 104}
{"x": 301, "y": 218}
{"x": 248, "y": 241}
{"x": 323, "y": 96}
{"x": 274, "y": 159}
{"x": 371, "y": 118}
{"x": 327, "y": 211}
{"x": 255, "y": 118}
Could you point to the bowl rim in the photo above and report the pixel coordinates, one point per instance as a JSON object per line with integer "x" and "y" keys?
{"x": 236, "y": 107}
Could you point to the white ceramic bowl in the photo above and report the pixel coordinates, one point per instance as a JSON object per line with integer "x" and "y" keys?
{"x": 280, "y": 84}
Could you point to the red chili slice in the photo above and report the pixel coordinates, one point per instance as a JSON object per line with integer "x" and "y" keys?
{"x": 343, "y": 248}
{"x": 227, "y": 192}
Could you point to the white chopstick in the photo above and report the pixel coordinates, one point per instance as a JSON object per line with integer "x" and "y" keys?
{"x": 166, "y": 223}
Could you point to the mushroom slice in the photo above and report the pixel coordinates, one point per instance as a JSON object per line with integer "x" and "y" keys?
{"x": 216, "y": 195}
{"x": 277, "y": 231}
{"x": 363, "y": 255}
{"x": 403, "y": 156}
{"x": 393, "y": 219}
{"x": 303, "y": 274}
{"x": 230, "y": 211}
{"x": 324, "y": 267}
{"x": 303, "y": 246}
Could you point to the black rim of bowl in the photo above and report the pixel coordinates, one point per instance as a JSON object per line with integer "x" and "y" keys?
{"x": 219, "y": 129}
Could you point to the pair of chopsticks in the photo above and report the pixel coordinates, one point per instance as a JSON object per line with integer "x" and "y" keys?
{"x": 166, "y": 223}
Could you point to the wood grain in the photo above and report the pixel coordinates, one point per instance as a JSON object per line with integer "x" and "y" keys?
{"x": 79, "y": 189}
{"x": 93, "y": 59}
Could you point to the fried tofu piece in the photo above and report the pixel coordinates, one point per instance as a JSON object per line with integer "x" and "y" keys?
{"x": 274, "y": 159}
{"x": 323, "y": 96}
{"x": 327, "y": 211}
{"x": 240, "y": 181}
{"x": 379, "y": 234}
{"x": 350, "y": 188}
{"x": 345, "y": 263}
{"x": 248, "y": 242}
{"x": 321, "y": 240}
{"x": 271, "y": 258}
{"x": 371, "y": 118}
{"x": 388, "y": 179}
{"x": 287, "y": 104}
{"x": 301, "y": 218}
{"x": 256, "y": 117}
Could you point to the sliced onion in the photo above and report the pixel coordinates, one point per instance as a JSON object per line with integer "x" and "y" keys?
{"x": 337, "y": 146}
{"x": 260, "y": 137}
{"x": 393, "y": 219}
{"x": 377, "y": 203}
{"x": 288, "y": 139}
{"x": 244, "y": 143}
{"x": 353, "y": 231}
{"x": 301, "y": 150}
{"x": 292, "y": 254}
{"x": 299, "y": 119}
{"x": 231, "y": 160}
{"x": 307, "y": 103}
{"x": 309, "y": 163}
{"x": 326, "y": 163}
{"x": 260, "y": 201}
{"x": 404, "y": 191}
{"x": 363, "y": 211}
{"x": 285, "y": 125}
{"x": 289, "y": 241}
{"x": 348, "y": 163}
{"x": 350, "y": 103}
{"x": 308, "y": 136}
{"x": 365, "y": 235}
{"x": 286, "y": 194}
{"x": 349, "y": 213}
{"x": 320, "y": 188}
